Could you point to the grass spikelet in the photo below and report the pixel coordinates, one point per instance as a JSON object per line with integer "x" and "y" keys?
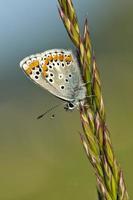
{"x": 95, "y": 137}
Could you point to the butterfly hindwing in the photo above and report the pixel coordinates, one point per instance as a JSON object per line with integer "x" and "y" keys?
{"x": 55, "y": 70}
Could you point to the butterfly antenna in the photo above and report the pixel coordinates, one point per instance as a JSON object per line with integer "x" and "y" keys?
{"x": 49, "y": 110}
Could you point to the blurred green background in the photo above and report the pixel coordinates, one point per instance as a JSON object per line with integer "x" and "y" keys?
{"x": 44, "y": 159}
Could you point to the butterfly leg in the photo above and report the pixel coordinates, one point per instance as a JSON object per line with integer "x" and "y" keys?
{"x": 84, "y": 84}
{"x": 83, "y": 102}
{"x": 90, "y": 96}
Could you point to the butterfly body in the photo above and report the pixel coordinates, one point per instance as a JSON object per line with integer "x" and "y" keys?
{"x": 58, "y": 72}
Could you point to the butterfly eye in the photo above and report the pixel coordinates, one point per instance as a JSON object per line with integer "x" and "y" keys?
{"x": 70, "y": 105}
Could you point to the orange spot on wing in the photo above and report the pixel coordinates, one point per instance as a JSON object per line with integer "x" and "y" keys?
{"x": 68, "y": 58}
{"x": 34, "y": 64}
{"x": 31, "y": 66}
{"x": 44, "y": 68}
{"x": 28, "y": 71}
{"x": 46, "y": 61}
{"x": 61, "y": 57}
{"x": 44, "y": 73}
{"x": 50, "y": 58}
{"x": 55, "y": 57}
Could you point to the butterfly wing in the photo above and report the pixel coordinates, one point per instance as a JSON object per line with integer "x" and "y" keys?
{"x": 56, "y": 71}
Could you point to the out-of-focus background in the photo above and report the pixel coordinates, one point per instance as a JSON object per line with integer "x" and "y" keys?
{"x": 44, "y": 159}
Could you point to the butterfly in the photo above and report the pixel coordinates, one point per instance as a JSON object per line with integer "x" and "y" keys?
{"x": 57, "y": 70}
